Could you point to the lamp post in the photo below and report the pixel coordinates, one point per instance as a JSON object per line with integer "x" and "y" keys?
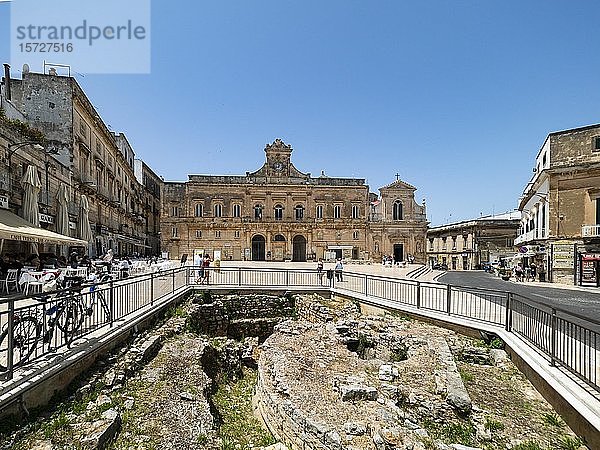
{"x": 11, "y": 149}
{"x": 47, "y": 164}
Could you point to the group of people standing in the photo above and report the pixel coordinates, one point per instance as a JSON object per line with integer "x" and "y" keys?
{"x": 526, "y": 273}
{"x": 204, "y": 263}
{"x": 338, "y": 270}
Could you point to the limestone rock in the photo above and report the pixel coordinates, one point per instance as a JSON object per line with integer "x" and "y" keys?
{"x": 386, "y": 372}
{"x": 355, "y": 429}
{"x": 41, "y": 445}
{"x": 353, "y": 392}
{"x": 102, "y": 431}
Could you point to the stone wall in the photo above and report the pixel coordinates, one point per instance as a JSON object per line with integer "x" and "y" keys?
{"x": 240, "y": 316}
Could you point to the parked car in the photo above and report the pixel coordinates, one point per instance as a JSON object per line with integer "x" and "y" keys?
{"x": 440, "y": 266}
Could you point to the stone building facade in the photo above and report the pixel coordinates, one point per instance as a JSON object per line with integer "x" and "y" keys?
{"x": 560, "y": 228}
{"x": 98, "y": 162}
{"x": 468, "y": 244}
{"x": 152, "y": 184}
{"x": 19, "y": 150}
{"x": 279, "y": 213}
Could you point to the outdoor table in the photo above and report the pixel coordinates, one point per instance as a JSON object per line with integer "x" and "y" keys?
{"x": 35, "y": 276}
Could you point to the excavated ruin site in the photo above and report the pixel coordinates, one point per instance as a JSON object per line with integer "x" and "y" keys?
{"x": 300, "y": 372}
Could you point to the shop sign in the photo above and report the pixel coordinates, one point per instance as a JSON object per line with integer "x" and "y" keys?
{"x": 563, "y": 255}
{"x": 45, "y": 218}
{"x": 4, "y": 201}
{"x": 588, "y": 271}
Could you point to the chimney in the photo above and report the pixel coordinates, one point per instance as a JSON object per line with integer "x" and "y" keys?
{"x": 7, "y": 94}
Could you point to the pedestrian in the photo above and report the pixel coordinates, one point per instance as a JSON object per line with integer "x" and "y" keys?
{"x": 198, "y": 264}
{"x": 205, "y": 270}
{"x": 339, "y": 267}
{"x": 107, "y": 259}
{"x": 320, "y": 270}
{"x": 519, "y": 273}
{"x": 532, "y": 271}
{"x": 542, "y": 272}
{"x": 124, "y": 267}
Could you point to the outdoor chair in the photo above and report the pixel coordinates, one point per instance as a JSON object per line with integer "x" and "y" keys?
{"x": 11, "y": 278}
{"x": 35, "y": 286}
{"x": 115, "y": 273}
{"x": 81, "y": 272}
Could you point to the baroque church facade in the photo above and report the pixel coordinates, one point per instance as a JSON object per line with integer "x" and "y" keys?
{"x": 279, "y": 213}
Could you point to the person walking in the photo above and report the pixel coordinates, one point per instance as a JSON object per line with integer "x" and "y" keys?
{"x": 532, "y": 271}
{"x": 320, "y": 270}
{"x": 519, "y": 272}
{"x": 339, "y": 267}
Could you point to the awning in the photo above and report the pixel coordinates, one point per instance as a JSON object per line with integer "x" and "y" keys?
{"x": 15, "y": 228}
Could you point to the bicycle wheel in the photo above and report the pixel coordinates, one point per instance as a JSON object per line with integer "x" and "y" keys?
{"x": 26, "y": 335}
{"x": 70, "y": 316}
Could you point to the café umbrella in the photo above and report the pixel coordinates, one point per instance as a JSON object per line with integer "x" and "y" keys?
{"x": 62, "y": 210}
{"x": 31, "y": 187}
{"x": 84, "y": 231}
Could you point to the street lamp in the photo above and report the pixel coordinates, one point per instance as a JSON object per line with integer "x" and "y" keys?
{"x": 11, "y": 149}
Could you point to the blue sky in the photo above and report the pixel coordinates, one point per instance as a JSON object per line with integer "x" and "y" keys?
{"x": 455, "y": 96}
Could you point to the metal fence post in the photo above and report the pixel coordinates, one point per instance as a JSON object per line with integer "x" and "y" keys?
{"x": 287, "y": 277}
{"x": 11, "y": 335}
{"x": 509, "y": 301}
{"x": 173, "y": 280}
{"x": 366, "y": 284}
{"x": 418, "y": 294}
{"x": 554, "y": 337}
{"x": 448, "y": 299}
{"x": 239, "y": 276}
{"x": 152, "y": 288}
{"x": 187, "y": 276}
{"x": 111, "y": 302}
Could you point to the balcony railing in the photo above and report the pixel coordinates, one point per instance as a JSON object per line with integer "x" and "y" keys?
{"x": 590, "y": 231}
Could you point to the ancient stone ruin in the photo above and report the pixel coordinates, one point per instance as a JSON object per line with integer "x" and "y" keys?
{"x": 369, "y": 383}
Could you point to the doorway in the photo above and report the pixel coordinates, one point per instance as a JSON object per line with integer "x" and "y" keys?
{"x": 258, "y": 248}
{"x": 299, "y": 248}
{"x": 398, "y": 252}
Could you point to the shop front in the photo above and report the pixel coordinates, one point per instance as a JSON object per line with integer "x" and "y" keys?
{"x": 589, "y": 269}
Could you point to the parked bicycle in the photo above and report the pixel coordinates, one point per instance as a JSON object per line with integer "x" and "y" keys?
{"x": 37, "y": 325}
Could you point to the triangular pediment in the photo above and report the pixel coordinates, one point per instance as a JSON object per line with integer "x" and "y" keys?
{"x": 399, "y": 184}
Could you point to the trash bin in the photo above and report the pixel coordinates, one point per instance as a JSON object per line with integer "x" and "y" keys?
{"x": 542, "y": 277}
{"x": 330, "y": 274}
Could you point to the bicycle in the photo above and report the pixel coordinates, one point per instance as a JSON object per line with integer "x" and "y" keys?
{"x": 32, "y": 324}
{"x": 86, "y": 309}
{"x": 97, "y": 297}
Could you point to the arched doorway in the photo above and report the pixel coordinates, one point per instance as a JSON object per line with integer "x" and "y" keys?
{"x": 299, "y": 248}
{"x": 278, "y": 245}
{"x": 258, "y": 248}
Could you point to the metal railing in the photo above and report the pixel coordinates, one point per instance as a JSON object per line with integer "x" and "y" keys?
{"x": 564, "y": 338}
{"x": 35, "y": 326}
{"x": 590, "y": 230}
